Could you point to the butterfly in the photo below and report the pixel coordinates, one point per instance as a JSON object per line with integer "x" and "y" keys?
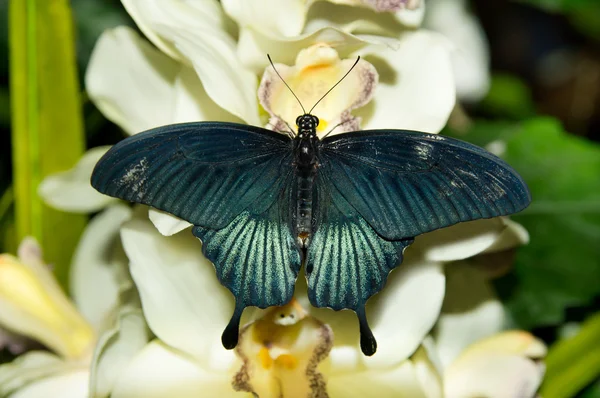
{"x": 344, "y": 206}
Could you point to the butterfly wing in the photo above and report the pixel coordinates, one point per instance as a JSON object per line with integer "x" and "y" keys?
{"x": 405, "y": 183}
{"x": 205, "y": 173}
{"x": 347, "y": 261}
{"x": 379, "y": 189}
{"x": 256, "y": 258}
{"x": 233, "y": 182}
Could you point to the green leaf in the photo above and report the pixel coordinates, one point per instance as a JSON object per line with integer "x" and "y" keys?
{"x": 560, "y": 268}
{"x": 573, "y": 363}
{"x": 508, "y": 96}
{"x": 47, "y": 132}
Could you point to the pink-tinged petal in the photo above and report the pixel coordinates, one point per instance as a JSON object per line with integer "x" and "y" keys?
{"x": 382, "y": 5}
{"x": 280, "y": 354}
{"x": 317, "y": 69}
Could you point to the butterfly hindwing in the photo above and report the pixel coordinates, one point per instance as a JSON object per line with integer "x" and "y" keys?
{"x": 205, "y": 173}
{"x": 255, "y": 257}
{"x": 347, "y": 261}
{"x": 406, "y": 183}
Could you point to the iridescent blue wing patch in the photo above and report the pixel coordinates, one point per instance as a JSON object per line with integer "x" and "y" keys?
{"x": 347, "y": 261}
{"x": 405, "y": 183}
{"x": 206, "y": 173}
{"x": 255, "y": 257}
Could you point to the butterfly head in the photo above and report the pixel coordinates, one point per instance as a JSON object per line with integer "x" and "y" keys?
{"x": 307, "y": 125}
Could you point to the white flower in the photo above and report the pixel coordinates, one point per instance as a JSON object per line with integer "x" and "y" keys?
{"x": 470, "y": 354}
{"x": 187, "y": 309}
{"x": 33, "y": 305}
{"x": 470, "y": 55}
{"x": 201, "y": 73}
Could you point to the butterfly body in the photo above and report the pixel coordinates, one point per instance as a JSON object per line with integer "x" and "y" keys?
{"x": 306, "y": 155}
{"x": 345, "y": 206}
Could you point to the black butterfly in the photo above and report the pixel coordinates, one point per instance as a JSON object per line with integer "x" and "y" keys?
{"x": 346, "y": 206}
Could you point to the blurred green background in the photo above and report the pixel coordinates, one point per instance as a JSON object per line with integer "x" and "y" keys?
{"x": 544, "y": 103}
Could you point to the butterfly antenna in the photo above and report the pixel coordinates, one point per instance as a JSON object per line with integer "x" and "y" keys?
{"x": 289, "y": 88}
{"x": 335, "y": 127}
{"x": 339, "y": 81}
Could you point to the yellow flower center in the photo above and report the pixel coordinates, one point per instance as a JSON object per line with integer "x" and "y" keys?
{"x": 281, "y": 352}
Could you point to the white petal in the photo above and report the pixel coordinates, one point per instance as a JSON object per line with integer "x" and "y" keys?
{"x": 493, "y": 376}
{"x": 183, "y": 302}
{"x": 471, "y": 57}
{"x": 426, "y": 370}
{"x": 416, "y": 85}
{"x": 167, "y": 224}
{"x": 130, "y": 81}
{"x": 459, "y": 241}
{"x": 193, "y": 104}
{"x": 513, "y": 235}
{"x": 399, "y": 381}
{"x": 361, "y": 20}
{"x": 197, "y": 32}
{"x": 186, "y": 14}
{"x": 253, "y": 45}
{"x": 116, "y": 349}
{"x": 94, "y": 270}
{"x": 406, "y": 310}
{"x": 470, "y": 311}
{"x": 158, "y": 372}
{"x": 227, "y": 82}
{"x": 69, "y": 385}
{"x": 71, "y": 190}
{"x": 270, "y": 17}
{"x": 29, "y": 368}
{"x": 412, "y": 18}
{"x": 400, "y": 316}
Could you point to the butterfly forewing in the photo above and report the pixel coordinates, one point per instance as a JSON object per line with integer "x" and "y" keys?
{"x": 406, "y": 183}
{"x": 205, "y": 173}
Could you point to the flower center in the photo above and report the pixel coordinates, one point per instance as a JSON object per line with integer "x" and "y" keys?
{"x": 318, "y": 69}
{"x": 280, "y": 354}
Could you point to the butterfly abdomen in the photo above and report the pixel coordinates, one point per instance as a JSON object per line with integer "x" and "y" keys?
{"x": 304, "y": 203}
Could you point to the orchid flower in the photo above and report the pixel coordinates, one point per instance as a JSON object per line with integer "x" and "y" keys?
{"x": 469, "y": 353}
{"x": 33, "y": 305}
{"x": 197, "y": 71}
{"x": 295, "y": 348}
